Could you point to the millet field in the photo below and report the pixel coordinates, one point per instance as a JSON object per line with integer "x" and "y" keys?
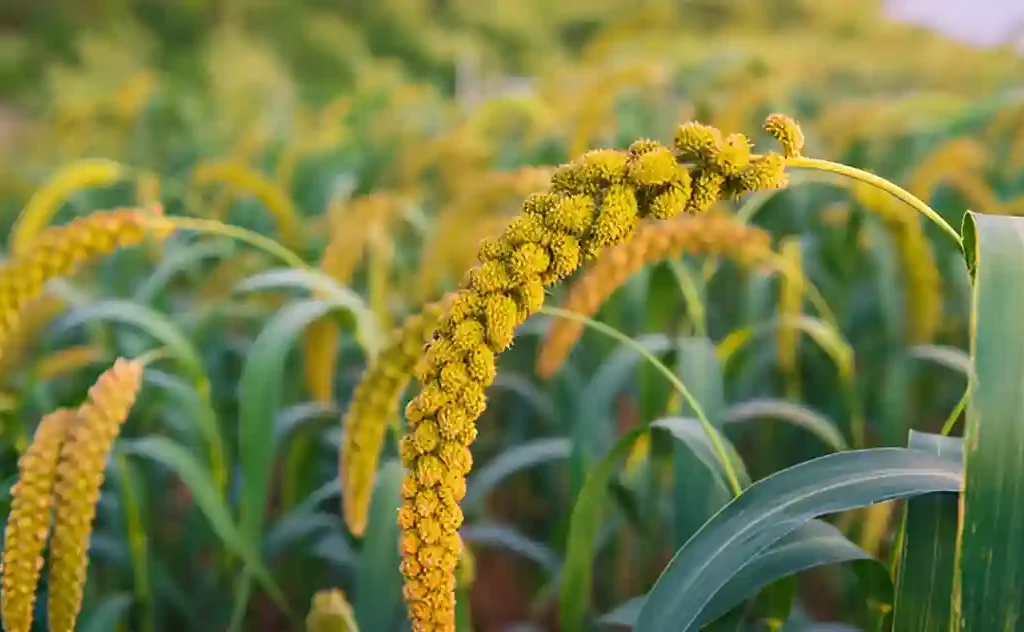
{"x": 508, "y": 316}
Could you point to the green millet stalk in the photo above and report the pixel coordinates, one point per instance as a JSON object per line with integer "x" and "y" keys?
{"x": 375, "y": 400}
{"x": 79, "y": 478}
{"x": 595, "y": 202}
{"x": 28, "y": 523}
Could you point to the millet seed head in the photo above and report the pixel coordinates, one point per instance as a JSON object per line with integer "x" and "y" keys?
{"x": 785, "y": 130}
{"x": 28, "y": 523}
{"x": 59, "y": 251}
{"x": 375, "y": 400}
{"x": 594, "y": 203}
{"x": 80, "y": 473}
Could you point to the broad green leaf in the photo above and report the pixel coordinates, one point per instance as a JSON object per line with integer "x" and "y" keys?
{"x": 346, "y": 302}
{"x": 507, "y": 538}
{"x": 810, "y": 420}
{"x": 824, "y": 335}
{"x": 177, "y": 262}
{"x": 593, "y": 430}
{"x": 927, "y": 565}
{"x": 160, "y": 326}
{"x": 584, "y": 525}
{"x": 296, "y": 433}
{"x": 696, "y": 494}
{"x": 199, "y": 484}
{"x": 774, "y": 507}
{"x": 691, "y": 433}
{"x": 294, "y": 528}
{"x": 992, "y": 545}
{"x": 810, "y": 545}
{"x": 510, "y": 462}
{"x": 538, "y": 401}
{"x": 108, "y": 614}
{"x": 263, "y": 374}
{"x": 586, "y": 516}
{"x": 949, "y": 357}
{"x": 378, "y": 597}
{"x": 291, "y": 420}
{"x": 162, "y": 329}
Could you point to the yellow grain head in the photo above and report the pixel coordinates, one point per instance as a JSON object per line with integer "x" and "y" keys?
{"x": 243, "y": 179}
{"x": 922, "y": 281}
{"x": 28, "y": 523}
{"x": 45, "y": 203}
{"x": 707, "y": 234}
{"x": 594, "y": 203}
{"x": 79, "y": 479}
{"x": 330, "y": 612}
{"x": 960, "y": 155}
{"x": 34, "y": 319}
{"x": 362, "y": 222}
{"x": 58, "y": 252}
{"x": 375, "y": 400}
{"x": 790, "y": 304}
{"x": 68, "y": 360}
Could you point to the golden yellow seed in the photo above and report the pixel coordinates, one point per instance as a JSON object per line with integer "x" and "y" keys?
{"x": 28, "y": 523}
{"x": 79, "y": 478}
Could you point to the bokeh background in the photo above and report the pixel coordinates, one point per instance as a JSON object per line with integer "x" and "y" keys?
{"x": 398, "y": 133}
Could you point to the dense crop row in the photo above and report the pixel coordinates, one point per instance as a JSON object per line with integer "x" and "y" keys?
{"x": 280, "y": 350}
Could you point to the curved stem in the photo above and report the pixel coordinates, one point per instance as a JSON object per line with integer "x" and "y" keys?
{"x": 908, "y": 198}
{"x": 153, "y": 355}
{"x": 691, "y": 295}
{"x": 254, "y": 239}
{"x": 730, "y": 473}
{"x": 809, "y": 290}
{"x": 955, "y": 415}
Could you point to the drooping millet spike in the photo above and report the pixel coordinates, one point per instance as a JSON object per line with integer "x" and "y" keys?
{"x": 594, "y": 202}
{"x": 79, "y": 479}
{"x": 28, "y": 523}
{"x": 376, "y": 399}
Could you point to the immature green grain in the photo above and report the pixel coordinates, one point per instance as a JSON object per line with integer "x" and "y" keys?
{"x": 59, "y": 250}
{"x": 595, "y": 202}
{"x": 375, "y": 400}
{"x": 79, "y": 479}
{"x": 710, "y": 233}
{"x": 28, "y": 523}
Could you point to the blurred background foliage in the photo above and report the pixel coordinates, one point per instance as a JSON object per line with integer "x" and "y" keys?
{"x": 404, "y": 131}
